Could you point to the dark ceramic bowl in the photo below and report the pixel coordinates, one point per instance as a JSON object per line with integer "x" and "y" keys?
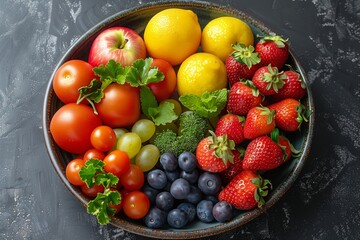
{"x": 136, "y": 18}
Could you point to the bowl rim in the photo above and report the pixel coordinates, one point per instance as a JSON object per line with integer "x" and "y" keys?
{"x": 276, "y": 194}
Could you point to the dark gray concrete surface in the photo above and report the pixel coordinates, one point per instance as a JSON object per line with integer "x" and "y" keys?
{"x": 324, "y": 202}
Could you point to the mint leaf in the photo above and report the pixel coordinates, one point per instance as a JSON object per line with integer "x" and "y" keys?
{"x": 100, "y": 205}
{"x": 163, "y": 114}
{"x": 142, "y": 73}
{"x": 208, "y": 105}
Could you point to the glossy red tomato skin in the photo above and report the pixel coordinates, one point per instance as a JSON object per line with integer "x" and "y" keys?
{"x": 164, "y": 89}
{"x": 120, "y": 106}
{"x": 103, "y": 138}
{"x": 93, "y": 153}
{"x": 72, "y": 75}
{"x": 136, "y": 205}
{"x": 72, "y": 171}
{"x": 71, "y": 127}
{"x": 93, "y": 191}
{"x": 117, "y": 162}
{"x": 133, "y": 179}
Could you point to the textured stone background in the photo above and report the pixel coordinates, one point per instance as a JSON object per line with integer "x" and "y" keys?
{"x": 324, "y": 202}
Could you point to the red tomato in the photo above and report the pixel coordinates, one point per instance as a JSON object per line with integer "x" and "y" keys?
{"x": 93, "y": 191}
{"x": 136, "y": 205}
{"x": 119, "y": 206}
{"x": 163, "y": 90}
{"x": 103, "y": 138}
{"x": 71, "y": 127}
{"x": 70, "y": 77}
{"x": 117, "y": 162}
{"x": 72, "y": 171}
{"x": 120, "y": 106}
{"x": 93, "y": 153}
{"x": 133, "y": 179}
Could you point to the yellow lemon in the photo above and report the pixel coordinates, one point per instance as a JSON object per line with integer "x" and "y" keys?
{"x": 220, "y": 33}
{"x": 173, "y": 35}
{"x": 201, "y": 72}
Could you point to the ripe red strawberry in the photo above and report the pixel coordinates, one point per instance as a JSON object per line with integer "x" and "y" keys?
{"x": 241, "y": 63}
{"x": 268, "y": 80}
{"x": 290, "y": 113}
{"x": 272, "y": 50}
{"x": 232, "y": 126}
{"x": 294, "y": 87}
{"x": 228, "y": 174}
{"x": 246, "y": 191}
{"x": 242, "y": 97}
{"x": 262, "y": 153}
{"x": 289, "y": 149}
{"x": 259, "y": 121}
{"x": 213, "y": 153}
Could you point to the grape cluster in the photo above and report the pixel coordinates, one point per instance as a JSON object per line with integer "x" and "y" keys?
{"x": 179, "y": 193}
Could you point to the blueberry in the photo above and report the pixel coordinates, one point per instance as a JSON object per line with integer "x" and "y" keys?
{"x": 168, "y": 161}
{"x": 222, "y": 211}
{"x": 177, "y": 218}
{"x": 190, "y": 210}
{"x": 157, "y": 179}
{"x": 191, "y": 177}
{"x": 180, "y": 188}
{"x": 164, "y": 201}
{"x": 214, "y": 199}
{"x": 204, "y": 211}
{"x": 187, "y": 161}
{"x": 172, "y": 175}
{"x": 194, "y": 196}
{"x": 150, "y": 192}
{"x": 155, "y": 218}
{"x": 209, "y": 183}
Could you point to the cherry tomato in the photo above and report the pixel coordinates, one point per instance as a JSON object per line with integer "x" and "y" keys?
{"x": 70, "y": 77}
{"x": 163, "y": 90}
{"x": 136, "y": 205}
{"x": 117, "y": 207}
{"x": 93, "y": 191}
{"x": 117, "y": 162}
{"x": 71, "y": 127}
{"x": 72, "y": 171}
{"x": 120, "y": 106}
{"x": 103, "y": 138}
{"x": 93, "y": 153}
{"x": 133, "y": 179}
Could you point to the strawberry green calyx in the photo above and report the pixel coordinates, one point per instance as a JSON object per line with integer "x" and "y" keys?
{"x": 262, "y": 189}
{"x": 222, "y": 147}
{"x": 255, "y": 91}
{"x": 303, "y": 114}
{"x": 265, "y": 111}
{"x": 245, "y": 54}
{"x": 274, "y": 78}
{"x": 278, "y": 40}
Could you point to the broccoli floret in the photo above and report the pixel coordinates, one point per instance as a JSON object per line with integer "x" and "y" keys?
{"x": 192, "y": 128}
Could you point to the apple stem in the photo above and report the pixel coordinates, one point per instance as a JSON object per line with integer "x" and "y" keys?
{"x": 122, "y": 45}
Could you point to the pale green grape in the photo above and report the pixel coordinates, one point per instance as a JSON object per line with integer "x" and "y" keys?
{"x": 145, "y": 128}
{"x": 177, "y": 106}
{"x": 147, "y": 157}
{"x": 130, "y": 143}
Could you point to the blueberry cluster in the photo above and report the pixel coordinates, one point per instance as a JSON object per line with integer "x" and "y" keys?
{"x": 180, "y": 193}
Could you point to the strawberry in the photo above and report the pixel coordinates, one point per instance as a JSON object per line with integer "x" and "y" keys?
{"x": 242, "y": 97}
{"x": 241, "y": 63}
{"x": 272, "y": 50}
{"x": 213, "y": 153}
{"x": 290, "y": 113}
{"x": 293, "y": 87}
{"x": 235, "y": 168}
{"x": 262, "y": 153}
{"x": 289, "y": 149}
{"x": 268, "y": 80}
{"x": 259, "y": 121}
{"x": 246, "y": 191}
{"x": 232, "y": 126}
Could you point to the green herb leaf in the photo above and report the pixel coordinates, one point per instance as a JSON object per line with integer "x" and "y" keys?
{"x": 106, "y": 179}
{"x": 89, "y": 171}
{"x": 113, "y": 72}
{"x": 163, "y": 114}
{"x": 147, "y": 99}
{"x": 142, "y": 73}
{"x": 208, "y": 105}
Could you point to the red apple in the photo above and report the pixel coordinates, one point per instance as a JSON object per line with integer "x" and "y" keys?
{"x": 122, "y": 44}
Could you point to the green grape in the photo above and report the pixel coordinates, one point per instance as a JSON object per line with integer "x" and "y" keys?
{"x": 120, "y": 131}
{"x": 177, "y": 106}
{"x": 147, "y": 157}
{"x": 130, "y": 143}
{"x": 145, "y": 128}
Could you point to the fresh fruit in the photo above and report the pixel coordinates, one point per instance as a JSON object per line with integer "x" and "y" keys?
{"x": 204, "y": 211}
{"x": 294, "y": 87}
{"x": 147, "y": 157}
{"x": 145, "y": 128}
{"x": 168, "y": 161}
{"x": 273, "y": 50}
{"x": 70, "y": 76}
{"x": 180, "y": 188}
{"x": 130, "y": 143}
{"x": 150, "y": 192}
{"x": 136, "y": 205}
{"x": 221, "y": 33}
{"x": 243, "y": 96}
{"x": 103, "y": 138}
{"x": 268, "y": 80}
{"x": 172, "y": 175}
{"x": 222, "y": 211}
{"x": 187, "y": 161}
{"x": 121, "y": 44}
{"x": 246, "y": 191}
{"x": 189, "y": 209}
{"x": 71, "y": 127}
{"x": 194, "y": 196}
{"x": 289, "y": 149}
{"x": 209, "y": 183}
{"x": 290, "y": 114}
{"x": 232, "y": 126}
{"x": 191, "y": 177}
{"x": 177, "y": 218}
{"x": 157, "y": 179}
{"x": 165, "y": 201}
{"x": 242, "y": 63}
{"x": 213, "y": 153}
{"x": 259, "y": 121}
{"x": 133, "y": 179}
{"x": 173, "y": 35}
{"x": 262, "y": 153}
{"x": 117, "y": 162}
{"x": 155, "y": 218}
{"x": 200, "y": 73}
{"x": 72, "y": 172}
{"x": 92, "y": 191}
{"x": 235, "y": 168}
{"x": 93, "y": 153}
